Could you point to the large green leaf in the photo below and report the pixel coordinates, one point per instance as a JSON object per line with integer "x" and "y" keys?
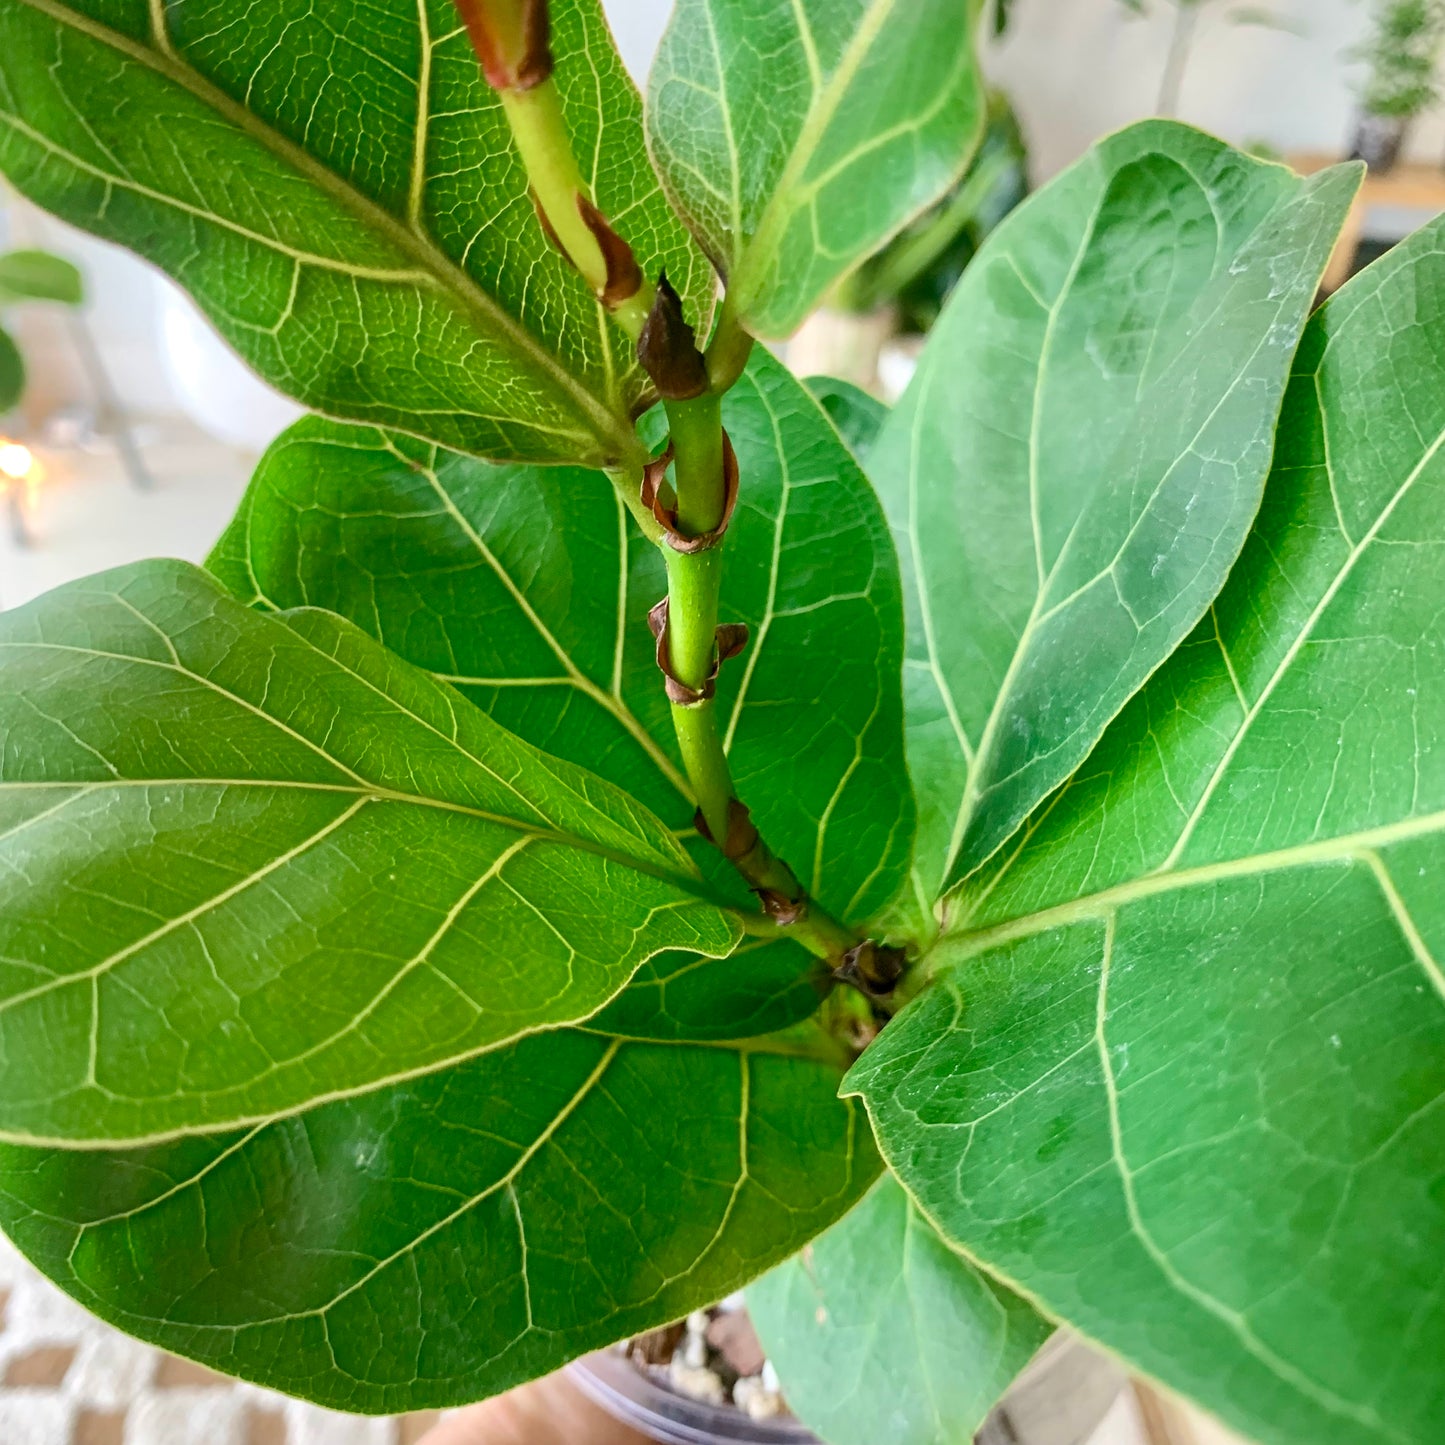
{"x": 1185, "y": 1079}
{"x": 452, "y": 1236}
{"x": 797, "y": 138}
{"x": 250, "y": 864}
{"x": 338, "y": 190}
{"x": 880, "y": 1332}
{"x": 39, "y": 276}
{"x": 527, "y": 589}
{"x": 1074, "y": 469}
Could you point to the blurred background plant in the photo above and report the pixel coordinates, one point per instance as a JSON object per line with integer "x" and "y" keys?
{"x": 25, "y": 275}
{"x": 869, "y": 333}
{"x": 1402, "y": 53}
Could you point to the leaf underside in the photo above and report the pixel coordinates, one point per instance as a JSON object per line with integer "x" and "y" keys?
{"x": 796, "y": 139}
{"x": 1185, "y": 1084}
{"x": 253, "y": 863}
{"x": 348, "y": 209}
{"x": 1075, "y": 466}
{"x": 12, "y": 371}
{"x": 427, "y": 1244}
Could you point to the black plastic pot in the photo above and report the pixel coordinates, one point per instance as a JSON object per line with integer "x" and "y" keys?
{"x": 1378, "y": 141}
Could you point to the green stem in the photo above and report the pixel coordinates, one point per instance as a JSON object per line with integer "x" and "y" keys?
{"x": 705, "y": 762}
{"x": 821, "y": 934}
{"x": 729, "y": 349}
{"x": 694, "y": 583}
{"x": 694, "y": 586}
{"x": 696, "y": 428}
{"x": 694, "y": 579}
{"x": 540, "y": 132}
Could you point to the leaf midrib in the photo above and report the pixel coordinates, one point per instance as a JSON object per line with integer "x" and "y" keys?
{"x": 468, "y": 757}
{"x": 253, "y": 1123}
{"x": 449, "y": 278}
{"x": 1094, "y": 907}
{"x": 610, "y": 702}
{"x": 1044, "y": 574}
{"x": 367, "y": 793}
{"x": 822, "y": 108}
{"x": 973, "y": 793}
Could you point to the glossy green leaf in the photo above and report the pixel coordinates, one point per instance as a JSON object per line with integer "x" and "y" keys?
{"x": 797, "y": 138}
{"x": 858, "y": 416}
{"x": 447, "y": 1238}
{"x": 12, "y": 371}
{"x": 1075, "y": 466}
{"x": 1185, "y": 1079}
{"x": 880, "y": 1332}
{"x": 251, "y": 863}
{"x": 528, "y": 589}
{"x": 339, "y": 192}
{"x": 39, "y": 276}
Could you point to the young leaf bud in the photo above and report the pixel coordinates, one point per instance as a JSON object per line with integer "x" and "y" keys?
{"x": 668, "y": 350}
{"x": 873, "y": 968}
{"x": 512, "y": 39}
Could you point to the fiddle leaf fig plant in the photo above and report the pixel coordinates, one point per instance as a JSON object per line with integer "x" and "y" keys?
{"x": 612, "y": 824}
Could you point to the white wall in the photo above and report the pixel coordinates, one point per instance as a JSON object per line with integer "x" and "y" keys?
{"x": 1078, "y": 69}
{"x": 637, "y": 26}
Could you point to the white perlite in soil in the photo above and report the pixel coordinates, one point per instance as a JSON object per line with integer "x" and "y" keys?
{"x": 712, "y": 1356}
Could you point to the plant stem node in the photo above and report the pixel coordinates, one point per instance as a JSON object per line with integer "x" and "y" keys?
{"x": 513, "y": 40}
{"x": 873, "y": 968}
{"x": 774, "y": 883}
{"x": 624, "y": 277}
{"x": 732, "y": 637}
{"x": 667, "y": 348}
{"x": 653, "y": 476}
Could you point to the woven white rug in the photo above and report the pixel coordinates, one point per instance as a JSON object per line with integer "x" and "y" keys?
{"x": 68, "y": 1379}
